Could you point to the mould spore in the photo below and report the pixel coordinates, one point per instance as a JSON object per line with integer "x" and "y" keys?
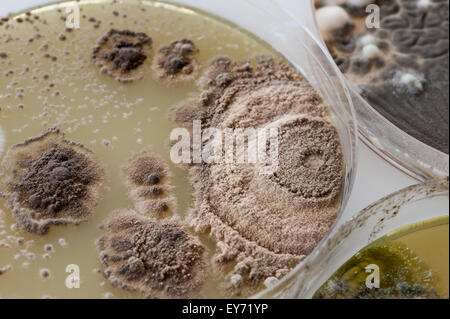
{"x": 44, "y": 273}
{"x": 5, "y": 269}
{"x": 48, "y": 248}
{"x": 331, "y": 18}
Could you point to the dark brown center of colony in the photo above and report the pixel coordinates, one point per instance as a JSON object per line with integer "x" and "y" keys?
{"x": 125, "y": 49}
{"x": 57, "y": 179}
{"x": 310, "y": 163}
{"x": 176, "y": 57}
{"x": 126, "y": 58}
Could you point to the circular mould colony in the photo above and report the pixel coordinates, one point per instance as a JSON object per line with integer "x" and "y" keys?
{"x": 44, "y": 273}
{"x": 49, "y": 180}
{"x": 176, "y": 62}
{"x": 401, "y": 67}
{"x": 308, "y": 165}
{"x": 159, "y": 259}
{"x": 122, "y": 54}
{"x": 265, "y": 223}
{"x": 146, "y": 177}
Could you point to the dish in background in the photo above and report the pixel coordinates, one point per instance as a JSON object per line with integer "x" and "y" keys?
{"x": 410, "y": 263}
{"x": 400, "y": 149}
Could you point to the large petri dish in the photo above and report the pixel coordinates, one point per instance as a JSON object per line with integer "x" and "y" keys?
{"x": 300, "y": 48}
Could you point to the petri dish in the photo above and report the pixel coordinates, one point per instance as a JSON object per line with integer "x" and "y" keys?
{"x": 306, "y": 55}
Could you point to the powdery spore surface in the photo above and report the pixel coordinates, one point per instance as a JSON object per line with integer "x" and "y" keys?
{"x": 264, "y": 224}
{"x": 176, "y": 61}
{"x": 48, "y": 180}
{"x": 159, "y": 259}
{"x": 147, "y": 178}
{"x": 121, "y": 53}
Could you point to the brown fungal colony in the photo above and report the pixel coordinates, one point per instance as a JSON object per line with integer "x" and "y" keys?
{"x": 49, "y": 180}
{"x": 400, "y": 66}
{"x": 146, "y": 177}
{"x": 176, "y": 61}
{"x": 121, "y": 54}
{"x": 159, "y": 259}
{"x": 265, "y": 223}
